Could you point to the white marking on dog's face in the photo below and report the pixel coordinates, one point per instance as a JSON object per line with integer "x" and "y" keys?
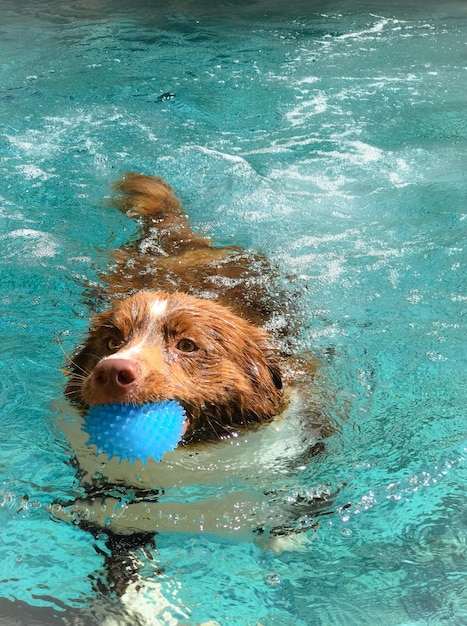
{"x": 158, "y": 308}
{"x": 127, "y": 353}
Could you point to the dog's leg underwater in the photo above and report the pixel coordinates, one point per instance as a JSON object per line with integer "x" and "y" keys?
{"x": 131, "y": 590}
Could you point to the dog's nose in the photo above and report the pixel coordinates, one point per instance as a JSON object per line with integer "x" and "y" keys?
{"x": 116, "y": 374}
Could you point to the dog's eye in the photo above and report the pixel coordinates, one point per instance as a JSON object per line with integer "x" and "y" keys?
{"x": 186, "y": 345}
{"x": 112, "y": 343}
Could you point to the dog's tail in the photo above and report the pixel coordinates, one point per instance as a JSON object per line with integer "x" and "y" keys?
{"x": 144, "y": 196}
{"x": 164, "y": 224}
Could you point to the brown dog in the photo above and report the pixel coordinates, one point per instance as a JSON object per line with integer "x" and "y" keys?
{"x": 205, "y": 326}
{"x": 200, "y": 339}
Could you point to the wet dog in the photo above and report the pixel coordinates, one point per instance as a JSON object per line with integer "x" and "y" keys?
{"x": 212, "y": 333}
{"x": 203, "y": 325}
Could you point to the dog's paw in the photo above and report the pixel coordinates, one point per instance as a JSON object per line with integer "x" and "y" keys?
{"x": 147, "y": 602}
{"x": 281, "y": 540}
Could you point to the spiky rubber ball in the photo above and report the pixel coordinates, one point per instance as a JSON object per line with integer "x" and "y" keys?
{"x": 134, "y": 432}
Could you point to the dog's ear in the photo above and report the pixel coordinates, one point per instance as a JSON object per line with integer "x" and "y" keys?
{"x": 276, "y": 374}
{"x": 269, "y": 366}
{"x": 269, "y": 378}
{"x": 263, "y": 369}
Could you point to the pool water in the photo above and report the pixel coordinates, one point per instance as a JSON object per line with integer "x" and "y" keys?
{"x": 330, "y": 135}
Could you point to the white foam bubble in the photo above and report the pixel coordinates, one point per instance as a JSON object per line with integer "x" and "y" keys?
{"x": 35, "y": 243}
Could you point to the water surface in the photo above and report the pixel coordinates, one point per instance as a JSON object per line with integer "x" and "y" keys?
{"x": 331, "y": 136}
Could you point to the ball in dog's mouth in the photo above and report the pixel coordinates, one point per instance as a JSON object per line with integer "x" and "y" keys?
{"x": 130, "y": 432}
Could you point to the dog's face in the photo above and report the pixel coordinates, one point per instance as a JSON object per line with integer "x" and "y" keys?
{"x": 155, "y": 346}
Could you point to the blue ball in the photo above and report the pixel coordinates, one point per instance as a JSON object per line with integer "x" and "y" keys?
{"x": 133, "y": 432}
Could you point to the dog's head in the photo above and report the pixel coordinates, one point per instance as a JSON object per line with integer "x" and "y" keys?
{"x": 155, "y": 346}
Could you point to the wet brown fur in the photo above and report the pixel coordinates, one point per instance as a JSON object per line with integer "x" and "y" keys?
{"x": 218, "y": 298}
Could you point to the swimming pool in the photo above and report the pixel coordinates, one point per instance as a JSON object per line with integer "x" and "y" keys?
{"x": 332, "y": 136}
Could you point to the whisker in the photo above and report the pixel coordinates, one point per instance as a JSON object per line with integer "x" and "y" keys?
{"x": 58, "y": 340}
{"x": 79, "y": 377}
{"x": 222, "y": 426}
{"x": 211, "y": 425}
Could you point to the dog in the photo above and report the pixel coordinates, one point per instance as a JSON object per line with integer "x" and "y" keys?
{"x": 203, "y": 325}
{"x": 203, "y": 337}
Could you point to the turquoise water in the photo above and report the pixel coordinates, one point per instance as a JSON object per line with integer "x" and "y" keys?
{"x": 332, "y": 136}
